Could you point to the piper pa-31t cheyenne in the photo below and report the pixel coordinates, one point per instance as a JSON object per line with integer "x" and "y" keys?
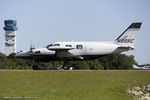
{"x": 67, "y": 51}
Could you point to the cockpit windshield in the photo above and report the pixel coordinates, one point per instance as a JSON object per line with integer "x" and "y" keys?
{"x": 52, "y": 45}
{"x": 49, "y": 45}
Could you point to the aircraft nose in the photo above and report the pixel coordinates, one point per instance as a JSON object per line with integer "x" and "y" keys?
{"x": 21, "y": 54}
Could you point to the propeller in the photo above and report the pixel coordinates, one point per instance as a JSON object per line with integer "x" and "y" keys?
{"x": 31, "y": 52}
{"x": 31, "y": 48}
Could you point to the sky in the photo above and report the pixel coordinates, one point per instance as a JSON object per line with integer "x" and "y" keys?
{"x": 46, "y": 21}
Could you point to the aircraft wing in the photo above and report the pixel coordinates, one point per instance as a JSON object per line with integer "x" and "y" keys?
{"x": 61, "y": 49}
{"x": 62, "y": 52}
{"x": 125, "y": 48}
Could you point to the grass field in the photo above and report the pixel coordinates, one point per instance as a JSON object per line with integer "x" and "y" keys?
{"x": 71, "y": 85}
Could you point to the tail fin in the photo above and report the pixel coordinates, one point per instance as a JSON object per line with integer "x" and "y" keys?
{"x": 128, "y": 37}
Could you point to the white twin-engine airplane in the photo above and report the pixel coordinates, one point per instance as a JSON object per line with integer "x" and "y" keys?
{"x": 67, "y": 51}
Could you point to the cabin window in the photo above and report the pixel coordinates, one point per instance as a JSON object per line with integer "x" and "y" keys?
{"x": 68, "y": 46}
{"x": 79, "y": 47}
{"x": 56, "y": 44}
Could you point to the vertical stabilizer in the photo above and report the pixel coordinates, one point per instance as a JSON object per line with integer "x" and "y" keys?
{"x": 129, "y": 36}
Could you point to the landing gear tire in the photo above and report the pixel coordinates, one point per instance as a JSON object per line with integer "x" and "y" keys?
{"x": 65, "y": 67}
{"x": 66, "y": 63}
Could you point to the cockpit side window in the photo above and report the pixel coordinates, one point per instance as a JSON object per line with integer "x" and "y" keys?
{"x": 68, "y": 45}
{"x": 56, "y": 44}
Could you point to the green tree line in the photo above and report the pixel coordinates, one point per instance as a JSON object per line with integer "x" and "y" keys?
{"x": 116, "y": 61}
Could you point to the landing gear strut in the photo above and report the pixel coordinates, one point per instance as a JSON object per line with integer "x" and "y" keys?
{"x": 65, "y": 65}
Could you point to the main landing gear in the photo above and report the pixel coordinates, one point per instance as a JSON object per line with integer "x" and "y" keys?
{"x": 66, "y": 66}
